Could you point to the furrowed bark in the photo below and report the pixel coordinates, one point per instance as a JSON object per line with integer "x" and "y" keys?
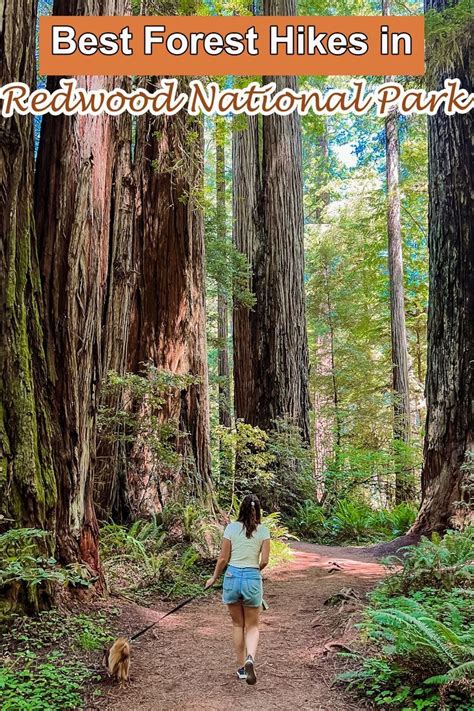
{"x": 277, "y": 378}
{"x": 282, "y": 344}
{"x": 27, "y": 483}
{"x": 73, "y": 212}
{"x": 447, "y": 476}
{"x": 111, "y": 488}
{"x": 168, "y": 321}
{"x": 246, "y": 237}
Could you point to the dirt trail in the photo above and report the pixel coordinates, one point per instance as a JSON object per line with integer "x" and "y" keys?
{"x": 187, "y": 662}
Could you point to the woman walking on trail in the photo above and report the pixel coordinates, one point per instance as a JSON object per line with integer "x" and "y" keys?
{"x": 245, "y": 551}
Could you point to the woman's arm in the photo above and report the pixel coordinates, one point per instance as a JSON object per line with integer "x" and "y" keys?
{"x": 264, "y": 554}
{"x": 224, "y": 557}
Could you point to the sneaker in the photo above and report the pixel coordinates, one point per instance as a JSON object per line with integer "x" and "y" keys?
{"x": 242, "y": 674}
{"x": 249, "y": 668}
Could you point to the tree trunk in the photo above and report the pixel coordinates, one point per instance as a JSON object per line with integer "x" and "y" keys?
{"x": 283, "y": 353}
{"x": 400, "y": 381}
{"x": 222, "y": 307}
{"x": 27, "y": 484}
{"x": 73, "y": 210}
{"x": 168, "y": 321}
{"x": 246, "y": 237}
{"x": 277, "y": 378}
{"x": 447, "y": 476}
{"x": 111, "y": 490}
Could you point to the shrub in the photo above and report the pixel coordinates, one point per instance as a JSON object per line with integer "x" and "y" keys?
{"x": 387, "y": 686}
{"x": 309, "y": 520}
{"x": 174, "y": 552}
{"x": 391, "y": 523}
{"x": 28, "y": 567}
{"x": 193, "y": 524}
{"x": 276, "y": 465}
{"x": 134, "y": 416}
{"x": 292, "y": 466}
{"x": 413, "y": 634}
{"x": 420, "y": 629}
{"x": 439, "y": 562}
{"x": 170, "y": 553}
{"x": 280, "y": 551}
{"x": 420, "y": 654}
{"x": 243, "y": 447}
{"x": 350, "y": 522}
{"x": 135, "y": 557}
{"x": 355, "y": 470}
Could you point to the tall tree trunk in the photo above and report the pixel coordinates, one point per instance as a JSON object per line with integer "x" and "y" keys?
{"x": 111, "y": 489}
{"x": 73, "y": 210}
{"x": 27, "y": 483}
{"x": 222, "y": 307}
{"x": 278, "y": 376}
{"x": 400, "y": 381}
{"x": 283, "y": 352}
{"x": 168, "y": 322}
{"x": 246, "y": 238}
{"x": 447, "y": 476}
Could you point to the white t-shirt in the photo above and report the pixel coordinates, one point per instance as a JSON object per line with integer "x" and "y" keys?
{"x": 245, "y": 552}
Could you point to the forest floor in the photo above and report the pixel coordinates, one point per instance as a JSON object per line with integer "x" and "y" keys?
{"x": 187, "y": 662}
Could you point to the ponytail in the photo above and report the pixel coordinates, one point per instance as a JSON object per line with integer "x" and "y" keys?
{"x": 250, "y": 514}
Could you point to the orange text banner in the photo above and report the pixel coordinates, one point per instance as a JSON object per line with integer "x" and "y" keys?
{"x": 242, "y": 46}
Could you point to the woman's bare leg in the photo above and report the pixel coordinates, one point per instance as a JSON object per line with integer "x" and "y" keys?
{"x": 251, "y": 617}
{"x": 237, "y": 614}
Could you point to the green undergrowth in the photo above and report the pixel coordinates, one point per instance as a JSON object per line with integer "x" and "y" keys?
{"x": 173, "y": 553}
{"x": 28, "y": 570}
{"x": 47, "y": 660}
{"x": 419, "y": 629}
{"x": 350, "y": 522}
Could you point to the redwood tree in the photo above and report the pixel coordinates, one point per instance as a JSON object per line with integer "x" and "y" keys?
{"x": 447, "y": 478}
{"x": 168, "y": 320}
{"x": 275, "y": 367}
{"x": 27, "y": 484}
{"x": 73, "y": 209}
{"x": 246, "y": 237}
{"x": 111, "y": 489}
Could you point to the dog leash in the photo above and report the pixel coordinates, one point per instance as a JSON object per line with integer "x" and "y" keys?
{"x": 170, "y": 612}
{"x": 175, "y": 609}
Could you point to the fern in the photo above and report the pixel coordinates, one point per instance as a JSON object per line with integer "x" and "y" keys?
{"x": 441, "y": 562}
{"x": 416, "y": 632}
{"x": 423, "y": 641}
{"x": 351, "y": 521}
{"x": 463, "y": 671}
{"x": 309, "y": 520}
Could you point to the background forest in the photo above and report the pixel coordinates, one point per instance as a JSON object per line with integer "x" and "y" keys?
{"x": 192, "y": 310}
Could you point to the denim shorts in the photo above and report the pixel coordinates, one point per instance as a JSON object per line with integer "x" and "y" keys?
{"x": 242, "y": 585}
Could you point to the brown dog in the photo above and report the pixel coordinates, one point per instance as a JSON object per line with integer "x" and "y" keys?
{"x": 117, "y": 660}
{"x": 117, "y": 657}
